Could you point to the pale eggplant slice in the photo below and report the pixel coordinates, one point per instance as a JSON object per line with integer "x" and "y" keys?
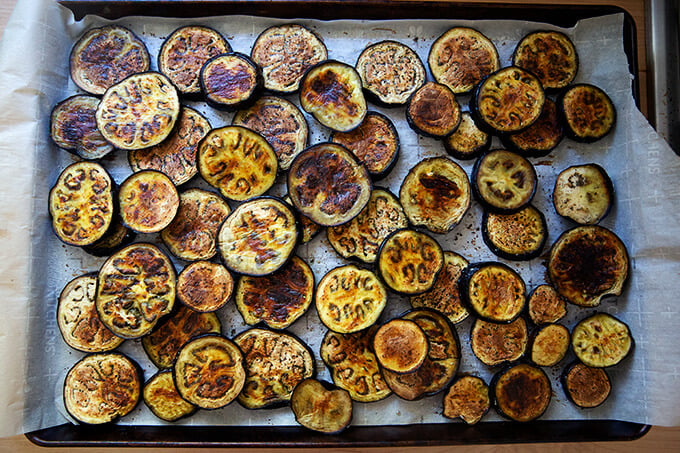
{"x": 549, "y": 345}
{"x": 467, "y": 141}
{"x": 321, "y": 407}
{"x": 550, "y": 56}
{"x": 587, "y": 112}
{"x": 545, "y": 305}
{"x": 436, "y": 194}
{"x": 495, "y": 344}
{"x": 521, "y": 393}
{"x": 161, "y": 396}
{"x": 400, "y": 346}
{"x": 588, "y": 263}
{"x": 601, "y": 340}
{"x": 73, "y": 127}
{"x": 504, "y": 181}
{"x": 468, "y": 399}
{"x": 102, "y": 387}
{"x": 104, "y": 56}
{"x": 541, "y": 137}
{"x": 493, "y": 291}
{"x": 433, "y": 111}
{"x": 204, "y": 286}
{"x": 308, "y": 228}
{"x": 148, "y": 201}
{"x": 585, "y": 386}
{"x": 275, "y": 363}
{"x": 231, "y": 81}
{"x": 519, "y": 236}
{"x": 583, "y": 193}
{"x": 115, "y": 238}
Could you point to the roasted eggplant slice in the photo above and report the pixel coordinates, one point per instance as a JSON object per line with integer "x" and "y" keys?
{"x": 521, "y": 393}
{"x": 504, "y": 181}
{"x": 331, "y": 92}
{"x": 400, "y": 346}
{"x": 148, "y": 201}
{"x": 162, "y": 397}
{"x": 390, "y": 72}
{"x": 409, "y": 261}
{"x": 258, "y": 237}
{"x": 280, "y": 122}
{"x": 588, "y": 263}
{"x": 550, "y": 56}
{"x": 361, "y": 237}
{"x": 519, "y": 236}
{"x": 461, "y": 57}
{"x": 204, "y": 286}
{"x": 308, "y": 228}
{"x": 540, "y": 138}
{"x": 436, "y": 194}
{"x": 237, "y": 161}
{"x": 115, "y": 238}
{"x": 135, "y": 288}
{"x": 275, "y": 363}
{"x": 328, "y": 185}
{"x": 493, "y": 291}
{"x": 184, "y": 53}
{"x": 587, "y": 112}
{"x": 444, "y": 296}
{"x": 433, "y": 111}
{"x": 192, "y": 235}
{"x": 601, "y": 340}
{"x": 495, "y": 344}
{"x": 73, "y": 127}
{"x": 81, "y": 203}
{"x": 285, "y": 52}
{"x": 467, "y": 399}
{"x": 353, "y": 364}
{"x": 321, "y": 407}
{"x": 349, "y": 299}
{"x": 545, "y": 305}
{"x": 176, "y": 156}
{"x": 585, "y": 386}
{"x": 78, "y": 320}
{"x": 102, "y": 387}
{"x": 583, "y": 193}
{"x": 165, "y": 341}
{"x": 467, "y": 141}
{"x": 231, "y": 81}
{"x": 277, "y": 299}
{"x": 209, "y": 371}
{"x": 549, "y": 345}
{"x": 104, "y": 56}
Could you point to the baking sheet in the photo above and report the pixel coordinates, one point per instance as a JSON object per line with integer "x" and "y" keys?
{"x": 37, "y": 266}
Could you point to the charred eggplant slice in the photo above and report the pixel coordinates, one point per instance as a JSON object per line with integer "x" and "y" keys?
{"x": 204, "y": 286}
{"x": 115, "y": 238}
{"x": 258, "y": 237}
{"x": 588, "y": 263}
{"x": 135, "y": 288}
{"x": 504, "y": 181}
{"x": 550, "y": 344}
{"x": 321, "y": 407}
{"x": 545, "y": 305}
{"x": 81, "y": 203}
{"x": 585, "y": 386}
{"x": 495, "y": 344}
{"x": 192, "y": 234}
{"x": 231, "y": 81}
{"x": 237, "y": 161}
{"x": 78, "y": 320}
{"x": 601, "y": 340}
{"x": 390, "y": 72}
{"x": 349, "y": 299}
{"x": 400, "y": 346}
{"x": 550, "y": 56}
{"x": 184, "y": 53}
{"x": 280, "y": 122}
{"x": 327, "y": 184}
{"x": 353, "y": 364}
{"x": 587, "y": 112}
{"x": 104, "y": 56}
{"x": 209, "y": 371}
{"x": 73, "y": 127}
{"x": 521, "y": 393}
{"x": 467, "y": 399}
{"x": 148, "y": 201}
{"x": 275, "y": 363}
{"x": 433, "y": 110}
{"x": 540, "y": 138}
{"x": 285, "y": 52}
{"x": 331, "y": 92}
{"x": 409, "y": 261}
{"x": 161, "y": 396}
{"x": 102, "y": 387}
{"x": 583, "y": 193}
{"x": 176, "y": 156}
{"x": 467, "y": 141}
{"x": 518, "y": 236}
{"x": 361, "y": 237}
{"x": 461, "y": 57}
{"x": 493, "y": 291}
{"x": 436, "y": 194}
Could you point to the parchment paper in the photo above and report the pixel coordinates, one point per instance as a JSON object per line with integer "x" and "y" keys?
{"x": 35, "y": 265}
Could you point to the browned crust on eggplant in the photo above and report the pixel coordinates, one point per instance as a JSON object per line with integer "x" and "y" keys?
{"x": 601, "y": 340}
{"x": 400, "y": 346}
{"x": 231, "y": 81}
{"x": 504, "y": 181}
{"x": 541, "y": 137}
{"x": 161, "y": 396}
{"x": 433, "y": 110}
{"x": 321, "y": 407}
{"x": 521, "y": 393}
{"x": 550, "y": 344}
{"x": 545, "y": 305}
{"x": 73, "y": 127}
{"x": 204, "y": 286}
{"x": 493, "y": 291}
{"x": 518, "y": 236}
{"x": 495, "y": 344}
{"x": 583, "y": 193}
{"x": 467, "y": 399}
{"x": 550, "y": 56}
{"x": 587, "y": 112}
{"x": 585, "y": 386}
{"x": 467, "y": 141}
{"x": 148, "y": 201}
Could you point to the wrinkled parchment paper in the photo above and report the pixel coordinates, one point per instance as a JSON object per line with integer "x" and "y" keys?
{"x": 35, "y": 265}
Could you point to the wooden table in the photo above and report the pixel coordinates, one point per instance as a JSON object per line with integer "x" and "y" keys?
{"x": 657, "y": 440}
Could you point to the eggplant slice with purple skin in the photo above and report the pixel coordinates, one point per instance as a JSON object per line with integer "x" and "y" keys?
{"x": 585, "y": 386}
{"x": 162, "y": 398}
{"x": 545, "y": 305}
{"x": 549, "y": 344}
{"x": 519, "y": 236}
{"x": 321, "y": 407}
{"x": 583, "y": 193}
{"x": 601, "y": 340}
{"x": 550, "y": 56}
{"x": 467, "y": 399}
{"x": 204, "y": 286}
{"x": 467, "y": 141}
{"x": 231, "y": 81}
{"x": 433, "y": 111}
{"x": 587, "y": 112}
{"x": 73, "y": 127}
{"x": 521, "y": 393}
{"x": 495, "y": 344}
{"x": 400, "y": 346}
{"x": 493, "y": 291}
{"x": 503, "y": 181}
{"x": 539, "y": 139}
{"x": 148, "y": 201}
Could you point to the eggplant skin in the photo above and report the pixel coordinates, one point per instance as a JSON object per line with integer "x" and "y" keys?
{"x": 521, "y": 392}
{"x": 468, "y": 399}
{"x": 204, "y": 286}
{"x": 539, "y": 139}
{"x": 583, "y": 193}
{"x": 495, "y": 344}
{"x": 400, "y": 346}
{"x": 148, "y": 201}
{"x": 321, "y": 407}
{"x": 493, "y": 291}
{"x": 519, "y": 236}
{"x": 231, "y": 81}
{"x": 503, "y": 181}
{"x": 73, "y": 127}
{"x": 601, "y": 340}
{"x": 550, "y": 56}
{"x": 467, "y": 141}
{"x": 545, "y": 305}
{"x": 550, "y": 344}
{"x": 161, "y": 396}
{"x": 433, "y": 111}
{"x": 115, "y": 238}
{"x": 585, "y": 386}
{"x": 587, "y": 112}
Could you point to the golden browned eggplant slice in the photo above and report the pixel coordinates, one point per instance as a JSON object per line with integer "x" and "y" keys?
{"x": 237, "y": 161}
{"x": 519, "y": 236}
{"x": 545, "y": 305}
{"x": 116, "y": 237}
{"x": 135, "y": 288}
{"x": 258, "y": 237}
{"x": 308, "y": 228}
{"x": 521, "y": 393}
{"x": 231, "y": 81}
{"x": 162, "y": 397}
{"x": 585, "y": 386}
{"x": 400, "y": 346}
{"x": 587, "y": 112}
{"x": 493, "y": 291}
{"x": 504, "y": 181}
{"x": 349, "y": 299}
{"x": 285, "y": 52}
{"x": 321, "y": 407}
{"x": 73, "y": 127}
{"x": 601, "y": 340}
{"x": 467, "y": 141}
{"x": 467, "y": 399}
{"x": 436, "y": 194}
{"x": 583, "y": 193}
{"x": 494, "y": 344}
{"x": 328, "y": 185}
{"x": 204, "y": 286}
{"x": 148, "y": 201}
{"x": 104, "y": 56}
{"x": 209, "y": 371}
{"x": 102, "y": 387}
{"x": 277, "y": 299}
{"x": 550, "y": 56}
{"x": 588, "y": 263}
{"x": 433, "y": 110}
{"x": 550, "y": 344}
{"x": 275, "y": 363}
{"x": 540, "y": 138}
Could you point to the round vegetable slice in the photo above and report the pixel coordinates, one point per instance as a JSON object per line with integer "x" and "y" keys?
{"x": 148, "y": 201}
{"x": 550, "y": 344}
{"x": 467, "y": 141}
{"x": 601, "y": 340}
{"x": 433, "y": 110}
{"x": 321, "y": 407}
{"x": 204, "y": 286}
{"x": 436, "y": 194}
{"x": 467, "y": 399}
{"x": 585, "y": 386}
{"x": 162, "y": 397}
{"x": 583, "y": 193}
{"x": 493, "y": 291}
{"x": 400, "y": 346}
{"x": 231, "y": 81}
{"x": 545, "y": 305}
{"x": 504, "y": 181}
{"x": 73, "y": 127}
{"x": 104, "y": 56}
{"x": 550, "y": 56}
{"x": 494, "y": 344}
{"x": 521, "y": 393}
{"x": 541, "y": 137}
{"x": 518, "y": 236}
{"x": 587, "y": 112}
